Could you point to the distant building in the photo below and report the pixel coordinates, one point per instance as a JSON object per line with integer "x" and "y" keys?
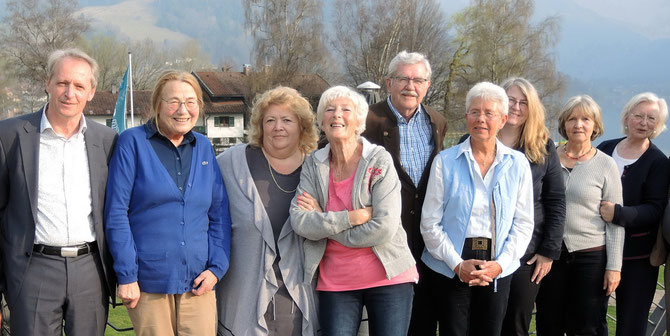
{"x": 224, "y": 118}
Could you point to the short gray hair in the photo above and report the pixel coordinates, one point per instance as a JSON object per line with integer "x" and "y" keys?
{"x": 57, "y": 55}
{"x": 489, "y": 92}
{"x": 405, "y": 58}
{"x": 646, "y": 97}
{"x": 360, "y": 105}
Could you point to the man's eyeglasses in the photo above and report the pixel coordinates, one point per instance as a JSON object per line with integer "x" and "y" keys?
{"x": 405, "y": 80}
{"x": 174, "y": 104}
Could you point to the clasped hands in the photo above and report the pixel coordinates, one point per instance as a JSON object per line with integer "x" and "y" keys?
{"x": 476, "y": 272}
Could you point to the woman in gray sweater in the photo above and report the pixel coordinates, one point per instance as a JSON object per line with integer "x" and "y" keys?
{"x": 573, "y": 295}
{"x": 263, "y": 292}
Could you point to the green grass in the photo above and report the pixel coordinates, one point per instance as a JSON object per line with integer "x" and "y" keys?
{"x": 119, "y": 318}
{"x": 661, "y": 277}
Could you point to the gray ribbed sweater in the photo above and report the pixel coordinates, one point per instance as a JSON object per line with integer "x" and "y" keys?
{"x": 590, "y": 182}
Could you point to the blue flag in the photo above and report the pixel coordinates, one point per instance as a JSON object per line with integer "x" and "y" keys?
{"x": 119, "y": 119}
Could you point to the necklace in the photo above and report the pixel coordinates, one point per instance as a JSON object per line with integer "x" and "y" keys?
{"x": 572, "y": 157}
{"x": 277, "y": 184}
{"x": 272, "y": 174}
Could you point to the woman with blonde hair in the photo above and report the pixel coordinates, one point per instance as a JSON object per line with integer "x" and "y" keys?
{"x": 525, "y": 131}
{"x": 644, "y": 177}
{"x": 263, "y": 292}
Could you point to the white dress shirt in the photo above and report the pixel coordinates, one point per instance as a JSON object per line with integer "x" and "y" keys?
{"x": 64, "y": 200}
{"x": 480, "y": 219}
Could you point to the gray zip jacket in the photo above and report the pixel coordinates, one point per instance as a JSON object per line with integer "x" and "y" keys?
{"x": 376, "y": 184}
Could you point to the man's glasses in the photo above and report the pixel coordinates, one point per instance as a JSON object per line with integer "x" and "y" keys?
{"x": 405, "y": 80}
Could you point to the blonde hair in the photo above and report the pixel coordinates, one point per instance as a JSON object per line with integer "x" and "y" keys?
{"x": 296, "y": 103}
{"x": 646, "y": 97}
{"x": 534, "y": 133}
{"x": 168, "y": 76}
{"x": 588, "y": 106}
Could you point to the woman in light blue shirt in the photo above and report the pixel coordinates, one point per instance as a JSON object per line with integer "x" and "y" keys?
{"x": 477, "y": 218}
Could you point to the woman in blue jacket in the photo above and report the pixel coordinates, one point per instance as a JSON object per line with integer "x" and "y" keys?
{"x": 167, "y": 220}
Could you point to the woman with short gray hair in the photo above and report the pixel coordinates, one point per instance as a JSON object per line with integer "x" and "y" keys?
{"x": 644, "y": 177}
{"x": 477, "y": 218}
{"x": 348, "y": 208}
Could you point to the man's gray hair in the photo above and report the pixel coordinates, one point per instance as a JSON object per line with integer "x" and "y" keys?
{"x": 405, "y": 58}
{"x": 488, "y": 92}
{"x": 57, "y": 55}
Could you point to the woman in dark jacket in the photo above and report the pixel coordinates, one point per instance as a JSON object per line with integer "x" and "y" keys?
{"x": 525, "y": 130}
{"x": 644, "y": 178}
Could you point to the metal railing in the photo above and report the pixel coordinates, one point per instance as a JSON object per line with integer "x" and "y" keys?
{"x": 656, "y": 322}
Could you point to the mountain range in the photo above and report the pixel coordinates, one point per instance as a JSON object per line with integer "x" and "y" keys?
{"x": 609, "y": 49}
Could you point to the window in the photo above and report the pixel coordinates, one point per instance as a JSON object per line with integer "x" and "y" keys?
{"x": 224, "y": 121}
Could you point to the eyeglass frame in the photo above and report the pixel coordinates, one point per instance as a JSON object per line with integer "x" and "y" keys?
{"x": 513, "y": 102}
{"x": 405, "y": 80}
{"x": 646, "y": 118}
{"x": 180, "y": 103}
{"x": 488, "y": 115}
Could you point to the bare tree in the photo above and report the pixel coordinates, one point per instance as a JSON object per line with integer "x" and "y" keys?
{"x": 34, "y": 28}
{"x": 151, "y": 60}
{"x": 112, "y": 57}
{"x": 496, "y": 39}
{"x": 288, "y": 38}
{"x": 369, "y": 33}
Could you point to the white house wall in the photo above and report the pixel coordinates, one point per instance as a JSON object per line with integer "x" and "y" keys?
{"x": 225, "y": 132}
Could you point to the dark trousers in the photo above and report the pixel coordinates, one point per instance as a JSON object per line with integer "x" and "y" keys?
{"x": 388, "y": 308}
{"x": 521, "y": 301}
{"x": 571, "y": 299}
{"x": 473, "y": 311}
{"x": 56, "y": 289}
{"x": 428, "y": 307}
{"x": 634, "y": 296}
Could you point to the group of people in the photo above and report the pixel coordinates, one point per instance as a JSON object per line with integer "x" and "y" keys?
{"x": 297, "y": 234}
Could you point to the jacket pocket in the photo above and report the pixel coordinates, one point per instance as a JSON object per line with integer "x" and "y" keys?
{"x": 152, "y": 266}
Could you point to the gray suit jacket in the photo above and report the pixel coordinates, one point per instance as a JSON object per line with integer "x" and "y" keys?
{"x": 19, "y": 153}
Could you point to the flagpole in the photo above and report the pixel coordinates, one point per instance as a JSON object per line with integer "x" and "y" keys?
{"x": 130, "y": 86}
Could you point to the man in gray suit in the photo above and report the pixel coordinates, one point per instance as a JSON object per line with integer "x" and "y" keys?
{"x": 53, "y": 173}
